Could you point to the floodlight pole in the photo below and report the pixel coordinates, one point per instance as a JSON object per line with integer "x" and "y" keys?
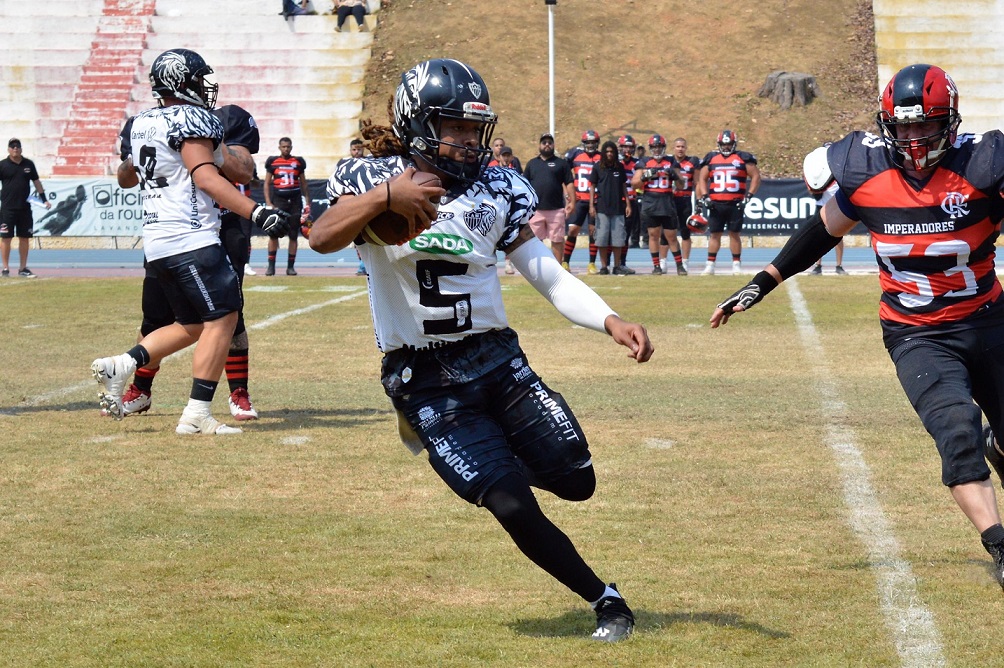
{"x": 550, "y": 62}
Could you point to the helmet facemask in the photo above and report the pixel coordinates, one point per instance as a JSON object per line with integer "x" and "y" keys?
{"x": 476, "y": 158}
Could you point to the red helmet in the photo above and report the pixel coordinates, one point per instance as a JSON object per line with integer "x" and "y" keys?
{"x": 919, "y": 94}
{"x": 697, "y": 223}
{"x": 625, "y": 140}
{"x": 727, "y": 141}
{"x": 590, "y": 141}
{"x": 656, "y": 140}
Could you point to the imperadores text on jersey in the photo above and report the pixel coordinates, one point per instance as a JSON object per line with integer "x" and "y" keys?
{"x": 556, "y": 412}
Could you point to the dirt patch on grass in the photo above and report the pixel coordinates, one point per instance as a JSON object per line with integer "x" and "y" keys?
{"x": 666, "y": 66}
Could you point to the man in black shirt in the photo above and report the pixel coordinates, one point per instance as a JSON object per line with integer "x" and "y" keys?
{"x": 551, "y": 178}
{"x": 609, "y": 206}
{"x": 16, "y": 172}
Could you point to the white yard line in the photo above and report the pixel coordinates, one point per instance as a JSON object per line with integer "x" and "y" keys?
{"x": 42, "y": 399}
{"x": 914, "y": 632}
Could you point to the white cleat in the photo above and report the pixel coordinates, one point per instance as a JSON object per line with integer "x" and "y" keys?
{"x": 205, "y": 424}
{"x": 112, "y": 374}
{"x": 737, "y": 267}
{"x": 248, "y": 271}
{"x": 709, "y": 270}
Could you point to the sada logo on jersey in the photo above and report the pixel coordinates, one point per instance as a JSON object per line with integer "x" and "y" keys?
{"x": 481, "y": 219}
{"x": 442, "y": 244}
{"x": 955, "y": 205}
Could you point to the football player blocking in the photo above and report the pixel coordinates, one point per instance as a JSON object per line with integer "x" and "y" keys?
{"x": 453, "y": 369}
{"x": 932, "y": 201}
{"x": 181, "y": 149}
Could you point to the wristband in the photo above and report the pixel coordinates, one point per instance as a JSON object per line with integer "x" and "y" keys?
{"x": 201, "y": 164}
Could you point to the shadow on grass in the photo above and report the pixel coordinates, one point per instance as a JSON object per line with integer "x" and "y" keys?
{"x": 575, "y": 623}
{"x": 25, "y": 409}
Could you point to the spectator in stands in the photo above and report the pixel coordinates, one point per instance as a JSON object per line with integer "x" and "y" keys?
{"x": 357, "y": 8}
{"x": 608, "y": 205}
{"x": 293, "y": 8}
{"x": 286, "y": 185}
{"x": 551, "y": 179}
{"x": 16, "y": 173}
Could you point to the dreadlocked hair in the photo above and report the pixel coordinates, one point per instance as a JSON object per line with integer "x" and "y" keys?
{"x": 380, "y": 140}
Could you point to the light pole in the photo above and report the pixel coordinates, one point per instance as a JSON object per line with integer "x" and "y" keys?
{"x": 550, "y": 62}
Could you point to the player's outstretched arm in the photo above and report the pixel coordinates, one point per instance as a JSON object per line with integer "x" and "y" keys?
{"x": 572, "y": 298}
{"x": 812, "y": 241}
{"x": 632, "y": 336}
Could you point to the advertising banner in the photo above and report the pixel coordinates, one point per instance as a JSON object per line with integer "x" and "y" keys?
{"x": 98, "y": 207}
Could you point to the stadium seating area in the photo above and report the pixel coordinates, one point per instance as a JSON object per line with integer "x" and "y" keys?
{"x": 75, "y": 70}
{"x": 955, "y": 36}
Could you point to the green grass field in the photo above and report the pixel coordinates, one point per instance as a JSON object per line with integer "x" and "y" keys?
{"x": 316, "y": 539}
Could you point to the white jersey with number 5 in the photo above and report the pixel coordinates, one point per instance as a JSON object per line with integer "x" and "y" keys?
{"x": 177, "y": 216}
{"x": 443, "y": 285}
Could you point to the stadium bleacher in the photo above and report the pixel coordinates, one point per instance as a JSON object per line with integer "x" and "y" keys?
{"x": 76, "y": 69}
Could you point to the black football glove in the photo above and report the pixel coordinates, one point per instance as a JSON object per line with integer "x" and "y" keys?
{"x": 749, "y": 294}
{"x": 649, "y": 174}
{"x": 273, "y": 222}
{"x": 705, "y": 204}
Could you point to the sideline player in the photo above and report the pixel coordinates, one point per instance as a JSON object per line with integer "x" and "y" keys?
{"x": 822, "y": 186}
{"x": 933, "y": 203}
{"x": 687, "y": 168}
{"x": 454, "y": 370}
{"x": 581, "y": 160}
{"x": 725, "y": 184}
{"x": 655, "y": 176}
{"x": 286, "y": 189}
{"x": 179, "y": 145}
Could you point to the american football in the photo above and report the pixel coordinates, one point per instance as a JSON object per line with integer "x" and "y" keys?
{"x": 390, "y": 228}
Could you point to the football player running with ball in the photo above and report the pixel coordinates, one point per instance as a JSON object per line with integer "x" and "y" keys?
{"x": 452, "y": 367}
{"x": 933, "y": 203}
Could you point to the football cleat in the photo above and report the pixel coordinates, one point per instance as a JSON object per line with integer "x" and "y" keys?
{"x": 993, "y": 452}
{"x": 737, "y": 267}
{"x": 709, "y": 270}
{"x": 591, "y": 268}
{"x": 240, "y": 405}
{"x": 680, "y": 270}
{"x": 840, "y": 270}
{"x": 203, "y": 424}
{"x": 623, "y": 270}
{"x": 997, "y": 552}
{"x": 614, "y": 619}
{"x": 134, "y": 401}
{"x": 112, "y": 374}
{"x": 817, "y": 270}
{"x": 657, "y": 271}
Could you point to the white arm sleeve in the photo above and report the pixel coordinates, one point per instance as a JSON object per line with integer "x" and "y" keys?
{"x": 574, "y": 299}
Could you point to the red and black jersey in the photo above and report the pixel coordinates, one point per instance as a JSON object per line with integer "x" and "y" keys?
{"x": 934, "y": 240}
{"x": 582, "y": 166}
{"x": 727, "y": 175}
{"x": 286, "y": 173}
{"x": 663, "y": 183}
{"x": 687, "y": 169}
{"x": 629, "y": 163}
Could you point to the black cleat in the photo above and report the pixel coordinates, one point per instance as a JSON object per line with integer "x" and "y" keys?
{"x": 614, "y": 619}
{"x": 993, "y": 453}
{"x": 996, "y": 551}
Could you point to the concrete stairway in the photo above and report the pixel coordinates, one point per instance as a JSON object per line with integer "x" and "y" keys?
{"x": 962, "y": 37}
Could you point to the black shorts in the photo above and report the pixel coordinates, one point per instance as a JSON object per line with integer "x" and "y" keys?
{"x": 579, "y": 215}
{"x": 943, "y": 373}
{"x": 684, "y": 210}
{"x": 478, "y": 432}
{"x": 16, "y": 223}
{"x": 293, "y": 205}
{"x": 665, "y": 222}
{"x": 198, "y": 286}
{"x": 725, "y": 216}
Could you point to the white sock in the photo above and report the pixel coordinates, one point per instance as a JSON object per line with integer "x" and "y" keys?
{"x": 197, "y": 408}
{"x": 610, "y": 591}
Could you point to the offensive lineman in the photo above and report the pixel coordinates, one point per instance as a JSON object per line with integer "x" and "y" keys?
{"x": 178, "y": 150}
{"x": 933, "y": 203}
{"x": 454, "y": 370}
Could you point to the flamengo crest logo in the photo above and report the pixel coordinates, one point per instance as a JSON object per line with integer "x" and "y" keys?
{"x": 955, "y": 205}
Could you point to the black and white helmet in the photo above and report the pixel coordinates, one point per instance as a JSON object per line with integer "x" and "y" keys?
{"x": 435, "y": 90}
{"x": 181, "y": 74}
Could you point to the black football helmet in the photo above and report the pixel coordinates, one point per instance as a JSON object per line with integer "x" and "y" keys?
{"x": 657, "y": 145}
{"x": 919, "y": 94}
{"x": 181, "y": 73}
{"x": 438, "y": 89}
{"x": 727, "y": 142}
